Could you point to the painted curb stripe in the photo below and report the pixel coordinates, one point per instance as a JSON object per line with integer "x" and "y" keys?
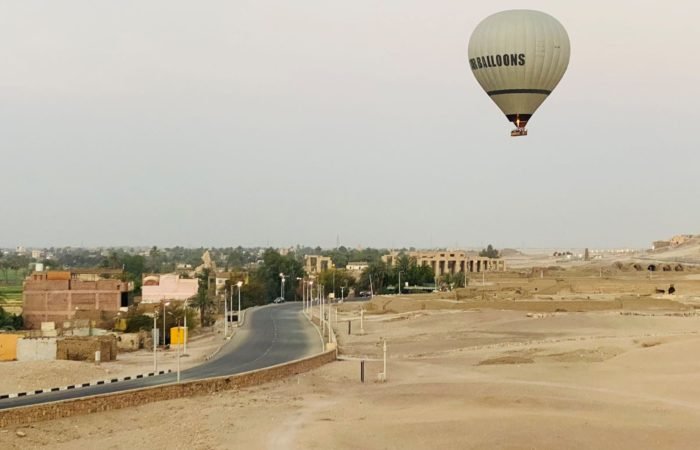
{"x": 77, "y": 386}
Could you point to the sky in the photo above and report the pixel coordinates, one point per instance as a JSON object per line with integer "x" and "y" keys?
{"x": 277, "y": 123}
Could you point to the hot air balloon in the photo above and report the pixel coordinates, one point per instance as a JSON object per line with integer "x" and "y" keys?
{"x": 518, "y": 57}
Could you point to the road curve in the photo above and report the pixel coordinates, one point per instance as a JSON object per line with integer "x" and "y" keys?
{"x": 271, "y": 335}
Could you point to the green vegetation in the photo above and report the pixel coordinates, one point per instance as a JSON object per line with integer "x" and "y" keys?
{"x": 11, "y": 294}
{"x": 385, "y": 279}
{"x": 205, "y": 300}
{"x": 10, "y": 322}
{"x": 138, "y": 323}
{"x": 490, "y": 252}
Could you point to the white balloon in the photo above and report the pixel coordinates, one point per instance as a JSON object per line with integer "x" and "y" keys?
{"x": 518, "y": 57}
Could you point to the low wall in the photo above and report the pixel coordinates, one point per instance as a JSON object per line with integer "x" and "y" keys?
{"x": 36, "y": 349}
{"x": 84, "y": 348}
{"x": 128, "y": 342}
{"x": 106, "y": 402}
{"x": 8, "y": 346}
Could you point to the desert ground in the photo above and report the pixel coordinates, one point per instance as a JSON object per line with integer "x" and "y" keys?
{"x": 572, "y": 358}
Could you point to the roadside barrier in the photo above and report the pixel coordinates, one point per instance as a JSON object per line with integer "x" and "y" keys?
{"x": 105, "y": 402}
{"x": 83, "y": 385}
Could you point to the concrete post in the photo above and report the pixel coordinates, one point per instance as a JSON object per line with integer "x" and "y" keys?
{"x": 98, "y": 356}
{"x": 385, "y": 377}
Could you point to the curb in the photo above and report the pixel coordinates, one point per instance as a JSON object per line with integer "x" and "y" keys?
{"x": 82, "y": 385}
{"x": 216, "y": 352}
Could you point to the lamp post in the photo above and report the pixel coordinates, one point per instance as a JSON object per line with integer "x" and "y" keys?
{"x": 231, "y": 297}
{"x": 226, "y": 317}
{"x": 164, "y": 305}
{"x": 399, "y": 282}
{"x": 238, "y": 318}
{"x": 310, "y": 294}
{"x": 282, "y": 286}
{"x": 302, "y": 291}
{"x": 155, "y": 341}
{"x": 184, "y": 313}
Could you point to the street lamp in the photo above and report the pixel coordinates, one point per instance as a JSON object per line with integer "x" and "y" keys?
{"x": 310, "y": 294}
{"x": 184, "y": 313}
{"x": 164, "y": 305}
{"x": 226, "y": 315}
{"x": 282, "y": 286}
{"x": 302, "y": 291}
{"x": 155, "y": 341}
{"x": 178, "y": 346}
{"x": 238, "y": 318}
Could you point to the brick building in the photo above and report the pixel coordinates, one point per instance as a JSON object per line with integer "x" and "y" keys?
{"x": 61, "y": 296}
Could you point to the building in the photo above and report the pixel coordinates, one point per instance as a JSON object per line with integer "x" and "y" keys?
{"x": 355, "y": 268}
{"x": 450, "y": 262}
{"x": 62, "y": 296}
{"x": 316, "y": 264}
{"x": 167, "y": 287}
{"x": 220, "y": 279}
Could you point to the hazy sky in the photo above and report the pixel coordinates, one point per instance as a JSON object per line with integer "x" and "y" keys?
{"x": 278, "y": 122}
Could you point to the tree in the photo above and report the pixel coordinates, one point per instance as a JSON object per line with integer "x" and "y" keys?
{"x": 338, "y": 278}
{"x": 10, "y": 321}
{"x": 272, "y": 266}
{"x": 490, "y": 252}
{"x": 377, "y": 273}
{"x": 137, "y": 323}
{"x": 204, "y": 299}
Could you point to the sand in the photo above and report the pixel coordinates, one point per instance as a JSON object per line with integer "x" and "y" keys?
{"x": 456, "y": 379}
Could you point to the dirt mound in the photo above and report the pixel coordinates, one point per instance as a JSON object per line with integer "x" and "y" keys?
{"x": 506, "y": 360}
{"x": 584, "y": 355}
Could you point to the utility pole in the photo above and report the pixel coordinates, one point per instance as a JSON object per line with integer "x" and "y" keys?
{"x": 466, "y": 265}
{"x": 238, "y": 318}
{"x": 282, "y": 286}
{"x": 184, "y": 313}
{"x": 155, "y": 342}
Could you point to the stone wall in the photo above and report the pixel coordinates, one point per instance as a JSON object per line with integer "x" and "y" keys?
{"x": 36, "y": 349}
{"x": 84, "y": 348}
{"x": 129, "y": 342}
{"x": 106, "y": 402}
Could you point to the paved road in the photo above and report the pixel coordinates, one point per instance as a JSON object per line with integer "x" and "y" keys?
{"x": 271, "y": 335}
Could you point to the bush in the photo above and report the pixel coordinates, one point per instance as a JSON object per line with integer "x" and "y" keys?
{"x": 138, "y": 323}
{"x": 9, "y": 321}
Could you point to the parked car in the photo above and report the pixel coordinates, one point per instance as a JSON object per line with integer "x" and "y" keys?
{"x": 278, "y": 300}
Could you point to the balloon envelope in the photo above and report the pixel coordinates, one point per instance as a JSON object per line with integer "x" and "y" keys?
{"x": 518, "y": 57}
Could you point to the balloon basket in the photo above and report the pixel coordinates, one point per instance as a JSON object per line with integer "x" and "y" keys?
{"x": 518, "y": 132}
